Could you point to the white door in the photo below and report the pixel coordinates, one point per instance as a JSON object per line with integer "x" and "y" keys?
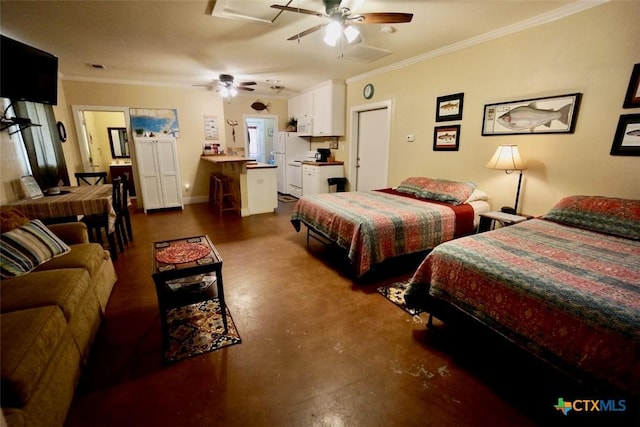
{"x": 371, "y": 164}
{"x": 148, "y": 173}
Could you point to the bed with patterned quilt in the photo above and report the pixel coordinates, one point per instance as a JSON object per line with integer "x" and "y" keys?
{"x": 376, "y": 225}
{"x": 565, "y": 286}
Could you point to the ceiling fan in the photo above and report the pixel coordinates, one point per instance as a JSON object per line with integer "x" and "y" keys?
{"x": 341, "y": 18}
{"x": 228, "y": 87}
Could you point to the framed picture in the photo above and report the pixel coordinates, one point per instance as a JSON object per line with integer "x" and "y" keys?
{"x": 627, "y": 139}
{"x": 449, "y": 107}
{"x": 553, "y": 114}
{"x": 446, "y": 138}
{"x": 31, "y": 187}
{"x": 632, "y": 98}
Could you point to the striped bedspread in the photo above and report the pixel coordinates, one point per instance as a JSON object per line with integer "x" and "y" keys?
{"x": 569, "y": 295}
{"x": 373, "y": 226}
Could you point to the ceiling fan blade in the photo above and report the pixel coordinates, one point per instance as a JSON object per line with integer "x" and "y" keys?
{"x": 295, "y": 9}
{"x": 306, "y": 32}
{"x": 382, "y": 18}
{"x": 249, "y": 89}
{"x": 247, "y": 83}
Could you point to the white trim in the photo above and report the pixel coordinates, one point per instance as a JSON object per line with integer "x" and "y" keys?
{"x": 535, "y": 21}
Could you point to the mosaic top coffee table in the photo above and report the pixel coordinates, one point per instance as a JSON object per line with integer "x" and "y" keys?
{"x": 184, "y": 271}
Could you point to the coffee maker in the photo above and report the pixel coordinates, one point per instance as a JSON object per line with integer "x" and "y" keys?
{"x": 323, "y": 155}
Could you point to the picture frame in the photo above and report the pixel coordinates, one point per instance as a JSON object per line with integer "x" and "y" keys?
{"x": 446, "y": 138}
{"x": 626, "y": 141}
{"x": 449, "y": 107}
{"x": 31, "y": 187}
{"x": 551, "y": 114}
{"x": 632, "y": 97}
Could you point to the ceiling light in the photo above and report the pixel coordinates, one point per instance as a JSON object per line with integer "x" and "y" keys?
{"x": 224, "y": 91}
{"x": 333, "y": 33}
{"x": 351, "y": 33}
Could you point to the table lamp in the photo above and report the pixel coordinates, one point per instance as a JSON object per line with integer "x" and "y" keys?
{"x": 507, "y": 158}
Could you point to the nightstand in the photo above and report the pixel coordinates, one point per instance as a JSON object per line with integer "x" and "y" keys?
{"x": 488, "y": 220}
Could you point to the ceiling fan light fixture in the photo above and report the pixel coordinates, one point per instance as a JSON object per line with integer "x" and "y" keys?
{"x": 333, "y": 33}
{"x": 224, "y": 92}
{"x": 351, "y": 33}
{"x": 233, "y": 91}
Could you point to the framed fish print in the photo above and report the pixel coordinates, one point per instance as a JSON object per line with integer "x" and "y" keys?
{"x": 446, "y": 138}
{"x": 449, "y": 107}
{"x": 553, "y": 114}
{"x": 632, "y": 98}
{"x": 627, "y": 139}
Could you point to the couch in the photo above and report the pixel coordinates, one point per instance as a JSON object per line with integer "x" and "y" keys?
{"x": 49, "y": 317}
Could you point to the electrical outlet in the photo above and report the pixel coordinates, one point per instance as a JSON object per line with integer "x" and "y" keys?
{"x": 410, "y": 138}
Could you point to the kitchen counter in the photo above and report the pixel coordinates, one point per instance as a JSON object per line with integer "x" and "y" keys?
{"x": 323, "y": 163}
{"x": 259, "y": 165}
{"x": 253, "y": 183}
{"x": 223, "y": 158}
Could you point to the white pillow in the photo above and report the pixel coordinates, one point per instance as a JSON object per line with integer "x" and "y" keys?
{"x": 477, "y": 195}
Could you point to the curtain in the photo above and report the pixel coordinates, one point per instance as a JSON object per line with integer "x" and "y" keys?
{"x": 42, "y": 144}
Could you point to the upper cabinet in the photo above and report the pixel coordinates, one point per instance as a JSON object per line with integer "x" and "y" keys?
{"x": 329, "y": 109}
{"x": 325, "y": 105}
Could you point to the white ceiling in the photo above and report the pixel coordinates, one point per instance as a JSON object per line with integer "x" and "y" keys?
{"x": 186, "y": 43}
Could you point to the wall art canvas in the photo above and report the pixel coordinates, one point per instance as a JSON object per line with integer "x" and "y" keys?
{"x": 446, "y": 138}
{"x": 210, "y": 128}
{"x": 449, "y": 107}
{"x": 154, "y": 122}
{"x": 553, "y": 114}
{"x": 632, "y": 98}
{"x": 627, "y": 139}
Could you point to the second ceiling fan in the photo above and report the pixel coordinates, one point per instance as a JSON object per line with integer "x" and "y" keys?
{"x": 341, "y": 18}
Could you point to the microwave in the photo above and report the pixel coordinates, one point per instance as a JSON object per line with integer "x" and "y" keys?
{"x": 305, "y": 126}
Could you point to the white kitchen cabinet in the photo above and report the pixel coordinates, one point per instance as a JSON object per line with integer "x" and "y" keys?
{"x": 329, "y": 109}
{"x": 158, "y": 172}
{"x": 315, "y": 177}
{"x": 301, "y": 105}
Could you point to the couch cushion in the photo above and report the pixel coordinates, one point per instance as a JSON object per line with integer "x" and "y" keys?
{"x": 29, "y": 339}
{"x": 64, "y": 288}
{"x": 28, "y": 246}
{"x": 89, "y": 256}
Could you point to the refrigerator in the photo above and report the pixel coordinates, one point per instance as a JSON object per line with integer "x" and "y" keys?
{"x": 287, "y": 147}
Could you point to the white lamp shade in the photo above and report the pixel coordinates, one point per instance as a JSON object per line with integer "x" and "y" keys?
{"x": 507, "y": 157}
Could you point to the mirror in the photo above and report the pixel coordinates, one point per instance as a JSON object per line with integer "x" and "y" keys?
{"x": 119, "y": 143}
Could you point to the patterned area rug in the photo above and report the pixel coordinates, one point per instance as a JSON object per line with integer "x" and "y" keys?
{"x": 196, "y": 329}
{"x": 395, "y": 293}
{"x": 287, "y": 199}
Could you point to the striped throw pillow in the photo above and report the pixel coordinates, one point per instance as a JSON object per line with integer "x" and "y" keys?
{"x": 24, "y": 248}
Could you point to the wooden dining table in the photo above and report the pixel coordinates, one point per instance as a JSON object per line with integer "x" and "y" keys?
{"x": 72, "y": 201}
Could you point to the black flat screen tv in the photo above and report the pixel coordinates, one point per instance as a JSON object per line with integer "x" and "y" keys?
{"x": 27, "y": 73}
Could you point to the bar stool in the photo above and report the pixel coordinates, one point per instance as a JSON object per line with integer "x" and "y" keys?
{"x": 213, "y": 186}
{"x": 225, "y": 199}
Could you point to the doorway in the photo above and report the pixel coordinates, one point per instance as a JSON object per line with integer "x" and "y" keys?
{"x": 369, "y": 163}
{"x": 259, "y": 132}
{"x": 92, "y": 123}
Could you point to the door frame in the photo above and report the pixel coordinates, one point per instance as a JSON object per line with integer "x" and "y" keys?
{"x": 245, "y": 129}
{"x": 355, "y": 142}
{"x": 81, "y": 137}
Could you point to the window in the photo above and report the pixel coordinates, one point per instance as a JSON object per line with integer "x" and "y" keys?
{"x": 43, "y": 144}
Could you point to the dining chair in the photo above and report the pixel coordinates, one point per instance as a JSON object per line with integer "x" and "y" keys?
{"x": 91, "y": 178}
{"x": 98, "y": 224}
{"x": 121, "y": 206}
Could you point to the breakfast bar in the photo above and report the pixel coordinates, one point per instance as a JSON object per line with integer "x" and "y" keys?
{"x": 253, "y": 183}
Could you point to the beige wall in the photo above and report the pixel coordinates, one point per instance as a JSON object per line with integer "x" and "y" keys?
{"x": 592, "y": 52}
{"x": 192, "y": 105}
